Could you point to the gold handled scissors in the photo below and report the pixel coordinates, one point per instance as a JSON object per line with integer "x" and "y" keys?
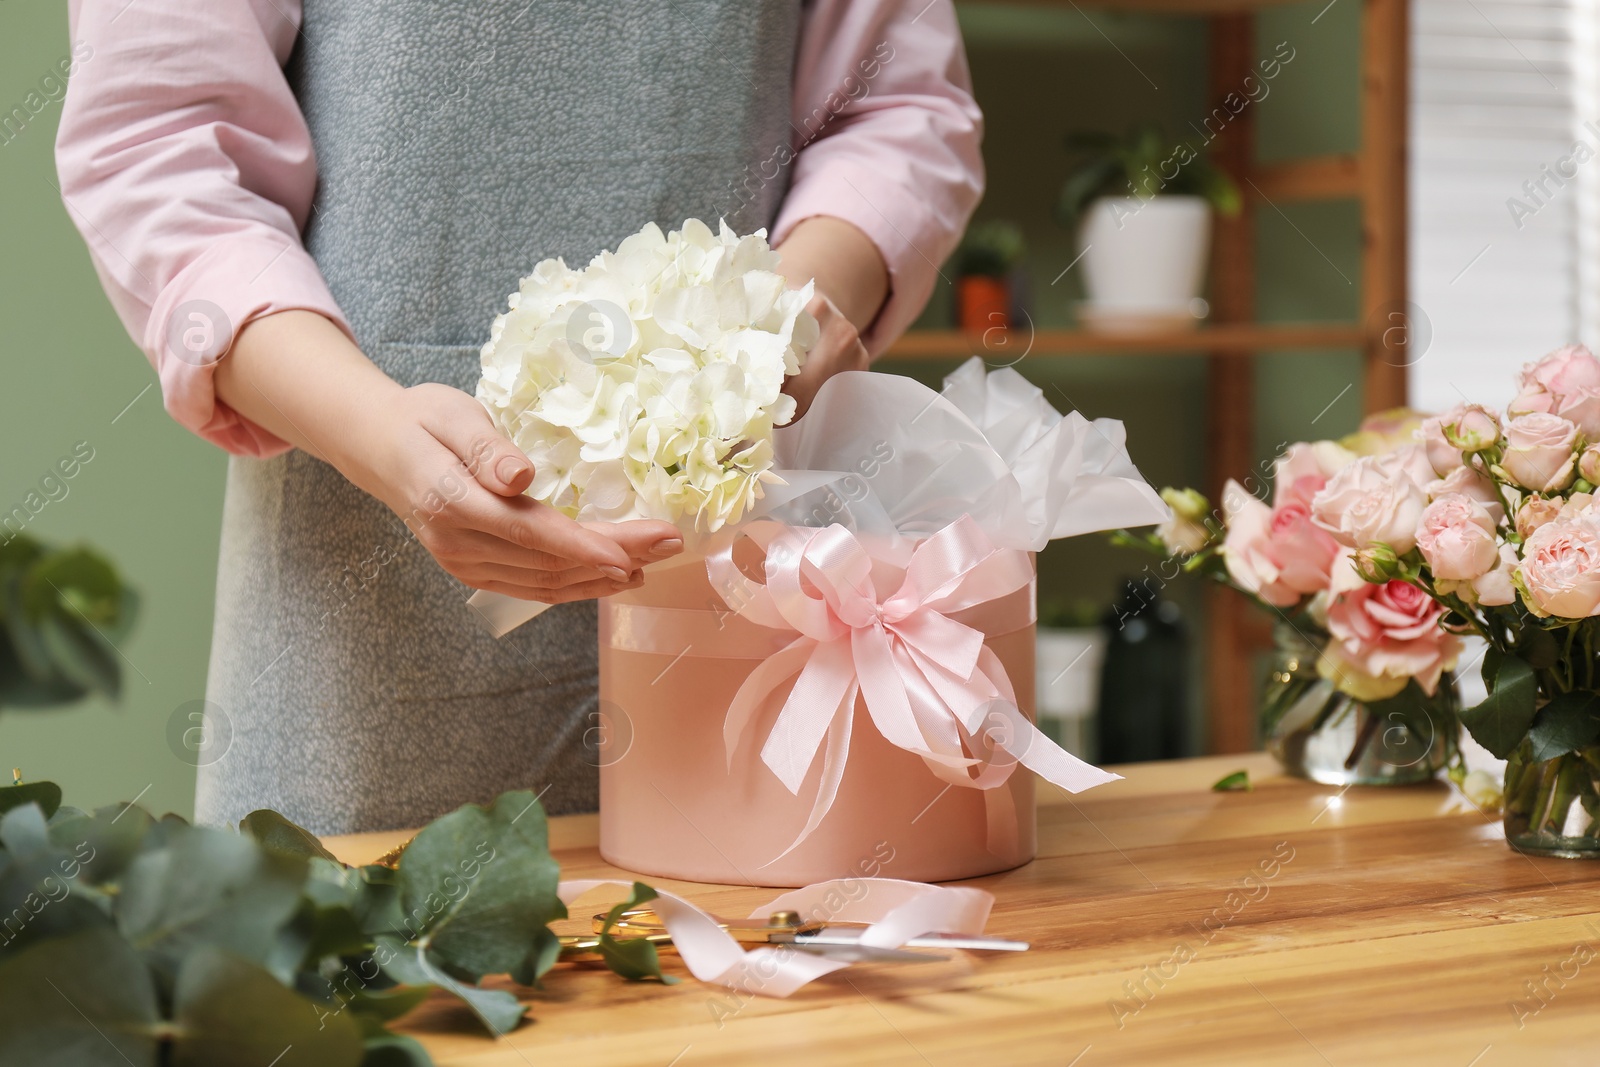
{"x": 834, "y": 941}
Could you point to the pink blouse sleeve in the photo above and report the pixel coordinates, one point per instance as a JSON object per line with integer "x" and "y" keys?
{"x": 187, "y": 166}
{"x": 888, "y": 137}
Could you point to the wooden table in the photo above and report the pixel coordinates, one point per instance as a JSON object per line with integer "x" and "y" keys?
{"x": 1295, "y": 924}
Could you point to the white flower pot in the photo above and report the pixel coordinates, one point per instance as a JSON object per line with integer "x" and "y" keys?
{"x": 1067, "y": 683}
{"x": 1144, "y": 261}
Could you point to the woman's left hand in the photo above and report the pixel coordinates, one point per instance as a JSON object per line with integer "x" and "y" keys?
{"x": 851, "y": 282}
{"x": 838, "y": 348}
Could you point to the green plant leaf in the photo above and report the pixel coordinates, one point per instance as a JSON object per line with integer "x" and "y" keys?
{"x": 1501, "y": 720}
{"x": 634, "y": 958}
{"x": 479, "y": 884}
{"x": 21, "y": 689}
{"x": 498, "y": 1010}
{"x": 1538, "y": 647}
{"x": 541, "y": 957}
{"x": 47, "y": 795}
{"x": 1238, "y": 781}
{"x": 395, "y": 1050}
{"x": 84, "y": 1000}
{"x": 231, "y": 1013}
{"x": 387, "y": 1005}
{"x": 81, "y": 655}
{"x": 278, "y": 833}
{"x": 194, "y": 885}
{"x": 1569, "y": 722}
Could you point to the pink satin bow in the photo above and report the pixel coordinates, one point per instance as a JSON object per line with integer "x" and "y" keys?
{"x": 930, "y": 685}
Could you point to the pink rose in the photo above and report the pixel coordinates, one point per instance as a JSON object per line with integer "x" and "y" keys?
{"x": 1443, "y": 456}
{"x": 1374, "y": 499}
{"x": 1384, "y": 635}
{"x": 1468, "y": 481}
{"x": 1471, "y": 427}
{"x": 1275, "y": 553}
{"x": 1561, "y": 567}
{"x": 1589, "y": 465}
{"x": 1384, "y": 431}
{"x": 1530, "y": 400}
{"x": 1457, "y": 538}
{"x": 1314, "y": 460}
{"x": 1540, "y": 452}
{"x": 1495, "y": 588}
{"x": 1535, "y": 511}
{"x": 1565, "y": 383}
{"x": 1582, "y": 409}
{"x": 1564, "y": 371}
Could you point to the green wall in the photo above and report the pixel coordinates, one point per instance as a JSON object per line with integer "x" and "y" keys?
{"x": 151, "y": 496}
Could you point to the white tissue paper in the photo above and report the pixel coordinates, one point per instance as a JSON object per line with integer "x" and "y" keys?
{"x": 884, "y": 455}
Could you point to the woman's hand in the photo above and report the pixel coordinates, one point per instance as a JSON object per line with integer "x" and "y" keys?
{"x": 838, "y": 348}
{"x": 433, "y": 456}
{"x": 852, "y": 283}
{"x": 440, "y": 465}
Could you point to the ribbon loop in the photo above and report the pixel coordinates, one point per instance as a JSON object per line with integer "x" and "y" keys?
{"x": 928, "y": 681}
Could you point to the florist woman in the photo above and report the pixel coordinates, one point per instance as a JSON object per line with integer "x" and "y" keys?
{"x": 307, "y": 215}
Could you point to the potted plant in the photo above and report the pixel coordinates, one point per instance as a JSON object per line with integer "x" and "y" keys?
{"x": 1070, "y": 647}
{"x": 61, "y": 612}
{"x": 985, "y": 260}
{"x": 1141, "y": 207}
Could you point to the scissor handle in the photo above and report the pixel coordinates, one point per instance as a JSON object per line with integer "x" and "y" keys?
{"x": 644, "y": 922}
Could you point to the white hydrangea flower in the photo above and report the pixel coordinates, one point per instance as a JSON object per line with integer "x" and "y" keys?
{"x": 647, "y": 384}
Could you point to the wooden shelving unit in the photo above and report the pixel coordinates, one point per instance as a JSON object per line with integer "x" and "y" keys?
{"x": 1238, "y": 338}
{"x": 1375, "y": 177}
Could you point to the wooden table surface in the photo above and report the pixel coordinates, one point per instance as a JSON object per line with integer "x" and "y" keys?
{"x": 1295, "y": 924}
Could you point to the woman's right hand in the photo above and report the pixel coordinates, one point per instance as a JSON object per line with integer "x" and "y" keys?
{"x": 433, "y": 456}
{"x": 440, "y": 464}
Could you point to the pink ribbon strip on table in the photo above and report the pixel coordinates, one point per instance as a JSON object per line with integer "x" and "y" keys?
{"x": 896, "y": 910}
{"x": 930, "y": 684}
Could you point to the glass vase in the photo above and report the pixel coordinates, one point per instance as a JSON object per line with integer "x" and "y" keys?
{"x": 1552, "y": 807}
{"x": 1317, "y": 732}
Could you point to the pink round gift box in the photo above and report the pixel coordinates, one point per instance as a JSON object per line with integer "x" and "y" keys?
{"x": 670, "y": 805}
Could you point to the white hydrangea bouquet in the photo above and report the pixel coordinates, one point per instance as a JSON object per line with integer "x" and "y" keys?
{"x": 648, "y": 384}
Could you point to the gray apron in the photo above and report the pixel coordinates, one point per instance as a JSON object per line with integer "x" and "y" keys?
{"x": 457, "y": 145}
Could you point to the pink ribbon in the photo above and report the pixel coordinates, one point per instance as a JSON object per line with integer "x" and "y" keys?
{"x": 930, "y": 685}
{"x": 896, "y": 910}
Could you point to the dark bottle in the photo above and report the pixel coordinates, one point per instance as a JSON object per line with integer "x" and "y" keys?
{"x": 1144, "y": 686}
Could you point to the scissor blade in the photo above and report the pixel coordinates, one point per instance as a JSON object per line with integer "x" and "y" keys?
{"x": 849, "y": 951}
{"x": 849, "y": 936}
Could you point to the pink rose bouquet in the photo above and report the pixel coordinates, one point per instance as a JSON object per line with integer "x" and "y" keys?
{"x": 1494, "y": 533}
{"x": 1344, "y": 642}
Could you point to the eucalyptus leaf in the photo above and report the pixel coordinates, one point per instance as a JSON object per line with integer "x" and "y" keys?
{"x": 84, "y": 1000}
{"x": 396, "y": 1050}
{"x": 205, "y": 886}
{"x": 24, "y": 832}
{"x": 635, "y": 958}
{"x": 541, "y": 957}
{"x": 47, "y": 795}
{"x": 479, "y": 884}
{"x": 1502, "y": 719}
{"x": 105, "y": 842}
{"x": 408, "y": 964}
{"x": 37, "y": 897}
{"x": 232, "y": 1013}
{"x": 1567, "y": 723}
{"x": 278, "y": 833}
